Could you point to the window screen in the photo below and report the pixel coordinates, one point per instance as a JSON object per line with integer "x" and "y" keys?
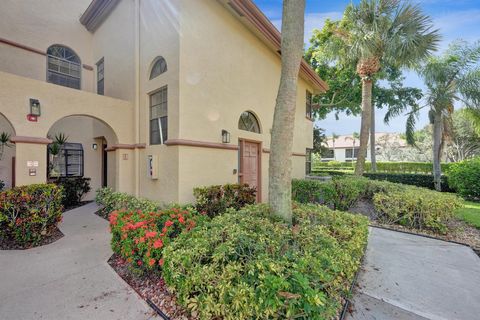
{"x": 63, "y": 67}
{"x": 159, "y": 116}
{"x": 100, "y": 77}
{"x": 309, "y": 113}
{"x": 68, "y": 162}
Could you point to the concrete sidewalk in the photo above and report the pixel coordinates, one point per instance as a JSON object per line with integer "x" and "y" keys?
{"x": 68, "y": 279}
{"x": 409, "y": 277}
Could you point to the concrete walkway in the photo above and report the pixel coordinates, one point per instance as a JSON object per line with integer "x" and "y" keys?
{"x": 407, "y": 277}
{"x": 68, "y": 279}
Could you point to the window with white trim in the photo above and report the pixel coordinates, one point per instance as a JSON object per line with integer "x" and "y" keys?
{"x": 308, "y": 161}
{"x": 159, "y": 67}
{"x": 63, "y": 67}
{"x": 159, "y": 116}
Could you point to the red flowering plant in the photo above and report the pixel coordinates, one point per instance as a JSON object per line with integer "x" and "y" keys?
{"x": 139, "y": 237}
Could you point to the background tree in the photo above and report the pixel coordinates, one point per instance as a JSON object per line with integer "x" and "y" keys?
{"x": 463, "y": 142}
{"x": 450, "y": 78}
{"x": 376, "y": 34}
{"x": 320, "y": 145}
{"x": 280, "y": 167}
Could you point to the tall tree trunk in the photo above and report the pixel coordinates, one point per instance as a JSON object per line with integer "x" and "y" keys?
{"x": 373, "y": 156}
{"x": 437, "y": 150}
{"x": 365, "y": 126}
{"x": 280, "y": 170}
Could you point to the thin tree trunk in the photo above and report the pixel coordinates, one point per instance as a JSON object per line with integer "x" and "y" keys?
{"x": 437, "y": 150}
{"x": 373, "y": 156}
{"x": 365, "y": 126}
{"x": 280, "y": 170}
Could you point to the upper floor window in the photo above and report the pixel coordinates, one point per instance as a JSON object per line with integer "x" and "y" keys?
{"x": 159, "y": 67}
{"x": 100, "y": 77}
{"x": 249, "y": 122}
{"x": 159, "y": 116}
{"x": 63, "y": 67}
{"x": 309, "y": 110}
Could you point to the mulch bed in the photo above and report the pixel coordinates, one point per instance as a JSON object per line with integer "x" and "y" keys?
{"x": 52, "y": 236}
{"x": 151, "y": 287}
{"x": 459, "y": 231}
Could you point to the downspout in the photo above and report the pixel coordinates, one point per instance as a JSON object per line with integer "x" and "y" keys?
{"x": 137, "y": 97}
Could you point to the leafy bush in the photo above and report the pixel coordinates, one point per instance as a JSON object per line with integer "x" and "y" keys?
{"x": 140, "y": 236}
{"x": 464, "y": 178}
{"x": 114, "y": 201}
{"x": 416, "y": 208}
{"x": 418, "y": 180}
{"x": 248, "y": 265}
{"x": 385, "y": 167}
{"x": 74, "y": 188}
{"x": 340, "y": 193}
{"x": 29, "y": 213}
{"x": 214, "y": 200}
{"x": 2, "y": 185}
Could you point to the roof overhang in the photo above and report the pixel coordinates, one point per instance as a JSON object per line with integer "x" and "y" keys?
{"x": 254, "y": 19}
{"x": 96, "y": 13}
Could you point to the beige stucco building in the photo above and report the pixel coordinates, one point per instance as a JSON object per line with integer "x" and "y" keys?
{"x": 156, "y": 97}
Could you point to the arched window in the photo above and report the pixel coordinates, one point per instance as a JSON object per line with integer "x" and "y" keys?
{"x": 63, "y": 67}
{"x": 248, "y": 122}
{"x": 159, "y": 67}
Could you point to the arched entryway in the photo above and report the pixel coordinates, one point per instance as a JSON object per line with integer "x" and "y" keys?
{"x": 7, "y": 153}
{"x": 83, "y": 152}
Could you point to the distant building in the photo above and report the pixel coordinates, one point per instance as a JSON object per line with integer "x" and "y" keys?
{"x": 345, "y": 148}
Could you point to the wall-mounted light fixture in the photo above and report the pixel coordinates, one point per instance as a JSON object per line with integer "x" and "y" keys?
{"x": 35, "y": 109}
{"x": 94, "y": 146}
{"x": 225, "y": 136}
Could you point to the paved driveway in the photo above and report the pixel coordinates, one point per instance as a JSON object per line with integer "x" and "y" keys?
{"x": 408, "y": 277}
{"x": 68, "y": 279}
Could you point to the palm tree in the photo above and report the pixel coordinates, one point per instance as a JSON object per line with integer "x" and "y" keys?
{"x": 280, "y": 168}
{"x": 379, "y": 33}
{"x": 453, "y": 77}
{"x": 334, "y": 137}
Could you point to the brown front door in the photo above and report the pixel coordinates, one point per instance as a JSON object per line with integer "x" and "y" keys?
{"x": 250, "y": 153}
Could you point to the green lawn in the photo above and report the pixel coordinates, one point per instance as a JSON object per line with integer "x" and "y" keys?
{"x": 470, "y": 213}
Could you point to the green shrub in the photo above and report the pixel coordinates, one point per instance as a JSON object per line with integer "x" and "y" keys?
{"x": 418, "y": 180}
{"x": 2, "y": 185}
{"x": 140, "y": 236}
{"x": 111, "y": 201}
{"x": 340, "y": 193}
{"x": 464, "y": 178}
{"x": 214, "y": 200}
{"x": 416, "y": 208}
{"x": 331, "y": 172}
{"x": 248, "y": 265}
{"x": 385, "y": 167}
{"x": 74, "y": 188}
{"x": 29, "y": 213}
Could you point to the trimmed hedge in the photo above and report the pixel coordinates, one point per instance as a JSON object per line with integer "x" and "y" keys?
{"x": 30, "y": 213}
{"x": 248, "y": 265}
{"x": 74, "y": 188}
{"x": 114, "y": 201}
{"x": 393, "y": 203}
{"x": 416, "y": 208}
{"x": 418, "y": 180}
{"x": 387, "y": 167}
{"x": 464, "y": 178}
{"x": 140, "y": 236}
{"x": 213, "y": 200}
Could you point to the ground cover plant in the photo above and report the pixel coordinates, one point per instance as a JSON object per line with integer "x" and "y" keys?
{"x": 248, "y": 265}
{"x": 30, "y": 214}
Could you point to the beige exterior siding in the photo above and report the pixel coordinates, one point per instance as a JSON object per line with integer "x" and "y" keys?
{"x": 217, "y": 69}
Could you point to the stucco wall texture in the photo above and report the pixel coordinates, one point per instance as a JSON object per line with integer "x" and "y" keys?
{"x": 217, "y": 69}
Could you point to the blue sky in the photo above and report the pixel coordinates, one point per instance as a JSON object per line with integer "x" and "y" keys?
{"x": 455, "y": 19}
